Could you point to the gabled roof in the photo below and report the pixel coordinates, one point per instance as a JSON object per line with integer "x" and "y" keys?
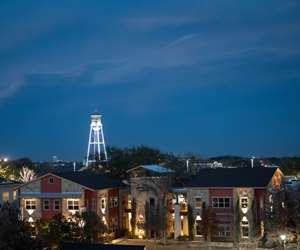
{"x": 82, "y": 246}
{"x": 232, "y": 177}
{"x": 153, "y": 168}
{"x": 92, "y": 180}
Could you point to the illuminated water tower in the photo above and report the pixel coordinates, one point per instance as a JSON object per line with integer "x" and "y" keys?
{"x": 96, "y": 152}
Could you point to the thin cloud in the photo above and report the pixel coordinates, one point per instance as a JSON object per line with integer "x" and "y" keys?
{"x": 158, "y": 22}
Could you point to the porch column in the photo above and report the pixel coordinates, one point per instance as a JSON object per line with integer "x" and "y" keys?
{"x": 177, "y": 229}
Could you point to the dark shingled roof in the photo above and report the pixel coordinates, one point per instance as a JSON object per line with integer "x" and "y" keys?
{"x": 232, "y": 177}
{"x": 4, "y": 181}
{"x": 79, "y": 246}
{"x": 92, "y": 179}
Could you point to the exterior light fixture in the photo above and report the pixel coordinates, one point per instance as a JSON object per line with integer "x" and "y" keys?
{"x": 81, "y": 223}
{"x": 283, "y": 239}
{"x": 30, "y": 211}
{"x": 244, "y": 219}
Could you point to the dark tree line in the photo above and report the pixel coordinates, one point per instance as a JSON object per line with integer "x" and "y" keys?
{"x": 122, "y": 159}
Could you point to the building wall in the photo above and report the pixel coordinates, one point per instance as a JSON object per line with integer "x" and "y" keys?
{"x": 192, "y": 194}
{"x": 48, "y": 214}
{"x": 224, "y": 216}
{"x": 125, "y": 209}
{"x": 142, "y": 189}
{"x": 247, "y": 213}
{"x": 36, "y": 214}
{"x": 43, "y": 188}
{"x": 47, "y": 187}
{"x": 260, "y": 197}
{"x": 66, "y": 212}
{"x": 103, "y": 211}
{"x": 113, "y": 211}
{"x": 91, "y": 200}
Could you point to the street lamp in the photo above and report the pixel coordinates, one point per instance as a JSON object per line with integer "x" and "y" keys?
{"x": 283, "y": 240}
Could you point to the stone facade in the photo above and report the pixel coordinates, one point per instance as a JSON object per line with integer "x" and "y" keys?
{"x": 148, "y": 190}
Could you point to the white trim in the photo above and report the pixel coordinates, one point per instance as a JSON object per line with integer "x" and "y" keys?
{"x": 224, "y": 197}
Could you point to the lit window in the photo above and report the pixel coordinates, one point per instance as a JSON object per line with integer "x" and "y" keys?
{"x": 244, "y": 202}
{"x": 103, "y": 203}
{"x": 221, "y": 202}
{"x": 30, "y": 204}
{"x": 198, "y": 225}
{"x": 245, "y": 227}
{"x": 73, "y": 204}
{"x": 198, "y": 202}
{"x": 245, "y": 231}
{"x": 5, "y": 196}
{"x": 46, "y": 204}
{"x": 56, "y": 205}
{"x": 14, "y": 195}
{"x": 129, "y": 203}
{"x": 51, "y": 180}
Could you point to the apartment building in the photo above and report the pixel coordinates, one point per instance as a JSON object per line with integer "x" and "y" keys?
{"x": 71, "y": 192}
{"x": 238, "y": 196}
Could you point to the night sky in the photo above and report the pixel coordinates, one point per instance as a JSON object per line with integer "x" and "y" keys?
{"x": 209, "y": 77}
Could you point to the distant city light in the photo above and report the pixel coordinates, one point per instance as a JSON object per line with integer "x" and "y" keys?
{"x": 4, "y": 159}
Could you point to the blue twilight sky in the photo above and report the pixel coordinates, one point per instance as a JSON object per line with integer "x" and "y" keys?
{"x": 210, "y": 77}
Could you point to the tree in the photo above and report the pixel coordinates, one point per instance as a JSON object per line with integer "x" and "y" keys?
{"x": 55, "y": 232}
{"x": 133, "y": 217}
{"x": 11, "y": 169}
{"x": 26, "y": 175}
{"x": 122, "y": 159}
{"x": 208, "y": 223}
{"x": 191, "y": 221}
{"x": 14, "y": 234}
{"x": 277, "y": 214}
{"x": 92, "y": 226}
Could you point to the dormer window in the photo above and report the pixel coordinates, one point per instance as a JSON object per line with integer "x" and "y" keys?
{"x": 51, "y": 180}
